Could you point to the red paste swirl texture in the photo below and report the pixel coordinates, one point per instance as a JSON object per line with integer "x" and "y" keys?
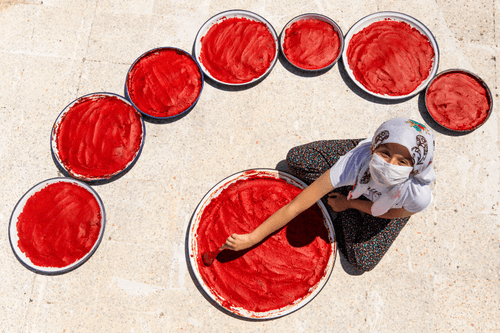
{"x": 99, "y": 136}
{"x": 311, "y": 44}
{"x": 390, "y": 57}
{"x": 164, "y": 83}
{"x": 277, "y": 272}
{"x": 457, "y": 101}
{"x": 237, "y": 50}
{"x": 59, "y": 225}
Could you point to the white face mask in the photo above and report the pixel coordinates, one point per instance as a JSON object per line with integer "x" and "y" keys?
{"x": 388, "y": 174}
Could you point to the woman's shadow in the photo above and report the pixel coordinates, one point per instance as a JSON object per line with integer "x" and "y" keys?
{"x": 348, "y": 268}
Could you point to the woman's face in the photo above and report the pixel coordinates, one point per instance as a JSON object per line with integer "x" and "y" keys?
{"x": 394, "y": 153}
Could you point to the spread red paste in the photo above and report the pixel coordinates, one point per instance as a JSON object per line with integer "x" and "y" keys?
{"x": 237, "y": 50}
{"x": 277, "y": 272}
{"x": 59, "y": 225}
{"x": 311, "y": 44}
{"x": 98, "y": 136}
{"x": 164, "y": 83}
{"x": 390, "y": 57}
{"x": 457, "y": 101}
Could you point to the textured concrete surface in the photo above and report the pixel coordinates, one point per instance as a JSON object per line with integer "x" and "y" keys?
{"x": 440, "y": 275}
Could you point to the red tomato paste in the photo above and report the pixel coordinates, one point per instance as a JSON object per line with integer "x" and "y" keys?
{"x": 98, "y": 137}
{"x": 164, "y": 83}
{"x": 59, "y": 225}
{"x": 311, "y": 44}
{"x": 277, "y": 272}
{"x": 237, "y": 50}
{"x": 457, "y": 101}
{"x": 390, "y": 58}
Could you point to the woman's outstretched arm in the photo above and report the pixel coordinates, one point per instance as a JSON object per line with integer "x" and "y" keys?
{"x": 309, "y": 196}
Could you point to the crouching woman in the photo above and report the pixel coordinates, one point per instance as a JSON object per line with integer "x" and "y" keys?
{"x": 374, "y": 185}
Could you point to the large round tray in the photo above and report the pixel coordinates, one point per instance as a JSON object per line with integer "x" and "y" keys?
{"x": 230, "y": 14}
{"x": 194, "y": 253}
{"x": 380, "y": 16}
{"x": 144, "y": 56}
{"x": 313, "y": 16}
{"x": 14, "y": 238}
{"x": 55, "y": 151}
{"x": 475, "y": 77}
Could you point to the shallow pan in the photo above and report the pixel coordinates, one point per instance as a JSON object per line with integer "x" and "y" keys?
{"x": 194, "y": 250}
{"x": 216, "y": 19}
{"x": 150, "y": 92}
{"x": 96, "y": 176}
{"x": 312, "y": 16}
{"x": 14, "y": 237}
{"x": 395, "y": 16}
{"x": 466, "y": 98}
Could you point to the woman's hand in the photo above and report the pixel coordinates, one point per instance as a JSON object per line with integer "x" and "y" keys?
{"x": 237, "y": 242}
{"x": 338, "y": 202}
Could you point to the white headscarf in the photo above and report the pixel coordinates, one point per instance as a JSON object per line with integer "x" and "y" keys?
{"x": 420, "y": 143}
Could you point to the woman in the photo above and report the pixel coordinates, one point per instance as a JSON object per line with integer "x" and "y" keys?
{"x": 377, "y": 184}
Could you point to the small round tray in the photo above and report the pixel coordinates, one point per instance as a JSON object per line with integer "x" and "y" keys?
{"x": 381, "y": 16}
{"x": 14, "y": 238}
{"x": 233, "y": 14}
{"x": 313, "y": 16}
{"x": 103, "y": 177}
{"x": 475, "y": 77}
{"x": 194, "y": 251}
{"x": 181, "y": 73}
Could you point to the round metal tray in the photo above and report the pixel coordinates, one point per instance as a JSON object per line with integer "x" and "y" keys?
{"x": 230, "y": 14}
{"x": 313, "y": 16}
{"x": 475, "y": 77}
{"x": 14, "y": 238}
{"x": 194, "y": 252}
{"x": 381, "y": 16}
{"x": 55, "y": 151}
{"x": 144, "y": 55}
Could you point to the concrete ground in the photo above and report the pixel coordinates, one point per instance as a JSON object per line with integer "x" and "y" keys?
{"x": 440, "y": 275}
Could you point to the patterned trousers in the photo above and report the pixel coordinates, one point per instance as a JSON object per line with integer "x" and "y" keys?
{"x": 362, "y": 238}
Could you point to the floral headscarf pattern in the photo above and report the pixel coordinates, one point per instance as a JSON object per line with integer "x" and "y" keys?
{"x": 414, "y": 136}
